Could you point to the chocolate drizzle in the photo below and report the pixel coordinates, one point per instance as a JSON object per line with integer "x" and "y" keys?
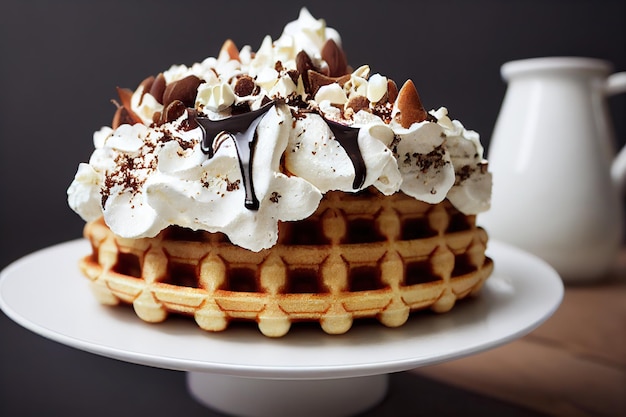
{"x": 347, "y": 137}
{"x": 242, "y": 129}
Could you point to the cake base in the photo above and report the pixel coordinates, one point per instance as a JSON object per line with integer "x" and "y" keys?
{"x": 251, "y": 397}
{"x": 358, "y": 256}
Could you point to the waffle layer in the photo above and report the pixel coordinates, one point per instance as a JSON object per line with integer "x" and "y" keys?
{"x": 359, "y": 255}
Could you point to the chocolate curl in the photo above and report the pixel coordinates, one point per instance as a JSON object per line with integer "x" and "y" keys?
{"x": 410, "y": 109}
{"x": 335, "y": 58}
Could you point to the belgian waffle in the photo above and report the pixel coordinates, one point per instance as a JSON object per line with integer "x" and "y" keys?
{"x": 359, "y": 255}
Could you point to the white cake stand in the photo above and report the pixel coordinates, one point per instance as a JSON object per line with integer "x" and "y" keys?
{"x": 306, "y": 373}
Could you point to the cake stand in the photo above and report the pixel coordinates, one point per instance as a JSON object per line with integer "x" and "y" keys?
{"x": 306, "y": 373}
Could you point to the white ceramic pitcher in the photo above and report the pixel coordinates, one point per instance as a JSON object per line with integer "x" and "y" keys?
{"x": 558, "y": 183}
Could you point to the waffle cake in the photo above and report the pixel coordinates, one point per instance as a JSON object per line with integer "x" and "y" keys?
{"x": 282, "y": 186}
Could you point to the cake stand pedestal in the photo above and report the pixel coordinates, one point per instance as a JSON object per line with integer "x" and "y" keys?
{"x": 307, "y": 372}
{"x": 252, "y": 397}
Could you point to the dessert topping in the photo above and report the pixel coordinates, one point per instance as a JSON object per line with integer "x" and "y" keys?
{"x": 302, "y": 123}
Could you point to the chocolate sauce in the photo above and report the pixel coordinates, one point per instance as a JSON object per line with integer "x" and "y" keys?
{"x": 242, "y": 129}
{"x": 347, "y": 137}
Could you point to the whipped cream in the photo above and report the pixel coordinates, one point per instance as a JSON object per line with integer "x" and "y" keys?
{"x": 322, "y": 126}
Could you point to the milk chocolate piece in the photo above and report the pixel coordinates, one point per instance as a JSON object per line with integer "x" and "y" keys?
{"x": 410, "y": 106}
{"x": 303, "y": 65}
{"x": 124, "y": 114}
{"x": 392, "y": 91}
{"x": 173, "y": 111}
{"x": 184, "y": 90}
{"x": 158, "y": 88}
{"x": 335, "y": 58}
{"x": 357, "y": 103}
{"x": 317, "y": 80}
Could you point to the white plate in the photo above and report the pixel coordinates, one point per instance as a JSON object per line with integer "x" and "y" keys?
{"x": 45, "y": 293}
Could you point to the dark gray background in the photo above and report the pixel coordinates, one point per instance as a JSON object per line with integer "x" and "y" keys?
{"x": 60, "y": 62}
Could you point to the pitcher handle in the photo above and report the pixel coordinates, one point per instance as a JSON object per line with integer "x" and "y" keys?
{"x": 616, "y": 84}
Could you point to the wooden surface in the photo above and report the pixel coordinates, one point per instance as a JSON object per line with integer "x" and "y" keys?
{"x": 572, "y": 365}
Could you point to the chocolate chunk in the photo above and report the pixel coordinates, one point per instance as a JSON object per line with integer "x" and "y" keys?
{"x": 410, "y": 106}
{"x": 173, "y": 111}
{"x": 184, "y": 90}
{"x": 125, "y": 96}
{"x": 303, "y": 65}
{"x": 357, "y": 103}
{"x": 392, "y": 91}
{"x": 158, "y": 88}
{"x": 335, "y": 58}
{"x": 317, "y": 80}
{"x": 146, "y": 84}
{"x": 124, "y": 114}
{"x": 244, "y": 86}
{"x": 293, "y": 74}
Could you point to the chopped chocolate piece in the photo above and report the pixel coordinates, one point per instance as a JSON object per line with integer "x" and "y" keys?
{"x": 392, "y": 91}
{"x": 125, "y": 95}
{"x": 184, "y": 90}
{"x": 158, "y": 88}
{"x": 410, "y": 109}
{"x": 303, "y": 65}
{"x": 123, "y": 116}
{"x": 335, "y": 58}
{"x": 317, "y": 80}
{"x": 146, "y": 85}
{"x": 173, "y": 111}
{"x": 357, "y": 103}
{"x": 245, "y": 86}
{"x": 293, "y": 74}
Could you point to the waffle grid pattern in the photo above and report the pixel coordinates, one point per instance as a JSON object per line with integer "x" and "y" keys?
{"x": 357, "y": 256}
